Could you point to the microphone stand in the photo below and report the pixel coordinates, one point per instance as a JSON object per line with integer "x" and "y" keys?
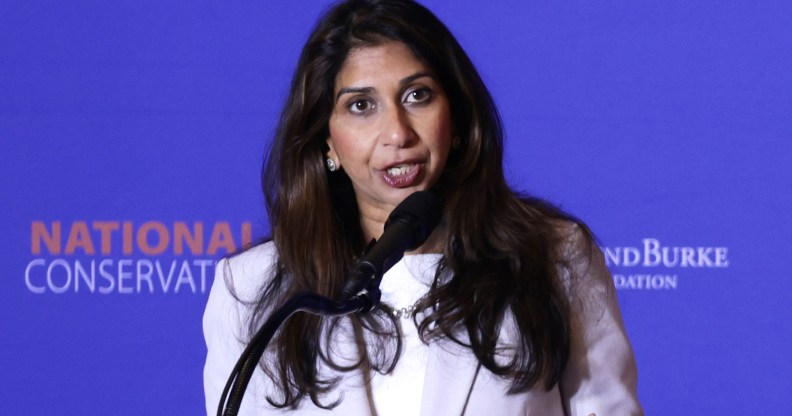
{"x": 237, "y": 383}
{"x": 407, "y": 227}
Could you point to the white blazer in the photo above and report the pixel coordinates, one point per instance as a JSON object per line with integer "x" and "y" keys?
{"x": 600, "y": 377}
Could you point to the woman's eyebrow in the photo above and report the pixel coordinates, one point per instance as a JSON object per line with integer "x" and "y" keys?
{"x": 367, "y": 90}
{"x": 413, "y": 77}
{"x": 353, "y": 90}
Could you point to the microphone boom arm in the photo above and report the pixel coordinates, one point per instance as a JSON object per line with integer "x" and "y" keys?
{"x": 408, "y": 226}
{"x": 237, "y": 383}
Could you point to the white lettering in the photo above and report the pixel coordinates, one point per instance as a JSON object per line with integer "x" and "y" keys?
{"x": 51, "y": 284}
{"x": 666, "y": 261}
{"x": 671, "y": 281}
{"x": 35, "y": 289}
{"x": 632, "y": 256}
{"x": 203, "y": 264}
{"x": 688, "y": 255}
{"x": 703, "y": 254}
{"x": 720, "y": 257}
{"x": 124, "y": 275}
{"x": 103, "y": 265}
{"x": 185, "y": 276}
{"x": 645, "y": 281}
{"x": 145, "y": 276}
{"x": 612, "y": 256}
{"x": 89, "y": 279}
{"x": 652, "y": 255}
{"x": 165, "y": 283}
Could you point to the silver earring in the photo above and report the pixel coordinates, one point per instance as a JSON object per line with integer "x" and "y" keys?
{"x": 456, "y": 143}
{"x": 331, "y": 165}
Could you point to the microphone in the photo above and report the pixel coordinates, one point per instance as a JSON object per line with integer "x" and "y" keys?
{"x": 407, "y": 227}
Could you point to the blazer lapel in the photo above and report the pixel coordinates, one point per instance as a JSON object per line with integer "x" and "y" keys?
{"x": 450, "y": 376}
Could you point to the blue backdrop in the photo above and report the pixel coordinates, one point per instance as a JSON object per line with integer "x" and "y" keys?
{"x": 132, "y": 136}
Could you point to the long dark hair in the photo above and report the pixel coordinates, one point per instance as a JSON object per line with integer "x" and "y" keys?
{"x": 501, "y": 252}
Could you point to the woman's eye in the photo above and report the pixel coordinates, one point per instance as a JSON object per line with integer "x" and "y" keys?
{"x": 418, "y": 96}
{"x": 361, "y": 106}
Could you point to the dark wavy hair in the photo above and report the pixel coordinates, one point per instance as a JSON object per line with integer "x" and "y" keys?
{"x": 501, "y": 253}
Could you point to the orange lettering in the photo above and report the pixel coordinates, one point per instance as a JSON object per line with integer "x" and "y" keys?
{"x": 126, "y": 237}
{"x": 105, "y": 229}
{"x": 38, "y": 233}
{"x": 79, "y": 237}
{"x": 221, "y": 237}
{"x": 142, "y": 238}
{"x": 182, "y": 235}
{"x": 247, "y": 234}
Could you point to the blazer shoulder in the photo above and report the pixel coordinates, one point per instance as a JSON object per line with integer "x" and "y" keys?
{"x": 245, "y": 272}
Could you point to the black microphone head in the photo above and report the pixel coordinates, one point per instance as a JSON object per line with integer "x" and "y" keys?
{"x": 422, "y": 211}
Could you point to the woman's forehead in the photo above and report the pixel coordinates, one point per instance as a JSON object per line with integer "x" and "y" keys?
{"x": 388, "y": 62}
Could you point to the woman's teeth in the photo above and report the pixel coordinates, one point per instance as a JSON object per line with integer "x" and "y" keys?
{"x": 398, "y": 170}
{"x": 403, "y": 175}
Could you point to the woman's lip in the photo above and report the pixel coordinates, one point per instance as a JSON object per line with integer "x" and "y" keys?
{"x": 403, "y": 162}
{"x": 402, "y": 180}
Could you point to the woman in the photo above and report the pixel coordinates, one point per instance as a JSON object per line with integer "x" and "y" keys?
{"x": 507, "y": 308}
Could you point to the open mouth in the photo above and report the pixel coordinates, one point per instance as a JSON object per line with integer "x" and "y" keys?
{"x": 402, "y": 175}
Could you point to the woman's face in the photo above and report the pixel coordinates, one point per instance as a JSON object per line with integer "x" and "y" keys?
{"x": 390, "y": 129}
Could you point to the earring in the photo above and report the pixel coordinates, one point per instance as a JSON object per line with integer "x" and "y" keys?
{"x": 456, "y": 143}
{"x": 331, "y": 165}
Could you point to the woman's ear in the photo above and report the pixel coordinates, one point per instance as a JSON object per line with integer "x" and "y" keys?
{"x": 332, "y": 156}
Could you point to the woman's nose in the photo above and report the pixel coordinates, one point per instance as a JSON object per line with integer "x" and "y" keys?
{"x": 397, "y": 129}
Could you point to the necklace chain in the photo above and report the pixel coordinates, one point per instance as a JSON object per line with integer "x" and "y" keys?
{"x": 404, "y": 313}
